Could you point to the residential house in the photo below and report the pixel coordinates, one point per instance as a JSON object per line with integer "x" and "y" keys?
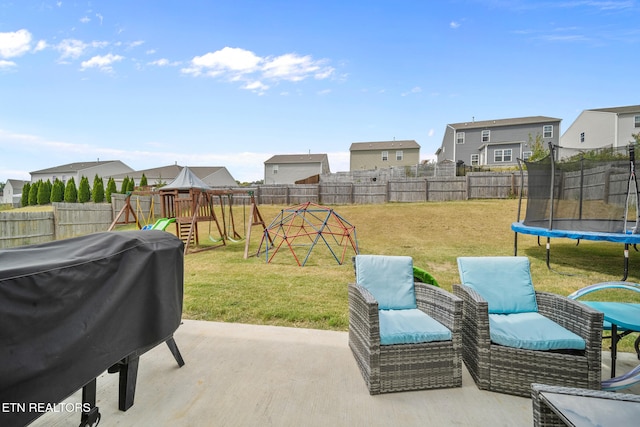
{"x": 103, "y": 169}
{"x": 383, "y": 155}
{"x": 289, "y": 168}
{"x": 12, "y": 192}
{"x": 214, "y": 176}
{"x": 603, "y": 127}
{"x": 496, "y": 142}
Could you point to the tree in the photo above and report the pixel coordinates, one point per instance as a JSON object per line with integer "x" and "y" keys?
{"x": 44, "y": 193}
{"x": 57, "y": 192}
{"x": 33, "y": 193}
{"x": 111, "y": 189}
{"x": 24, "y": 200}
{"x": 143, "y": 181}
{"x": 70, "y": 191}
{"x": 125, "y": 185}
{"x": 98, "y": 190}
{"x": 131, "y": 186}
{"x": 84, "y": 192}
{"x": 538, "y": 149}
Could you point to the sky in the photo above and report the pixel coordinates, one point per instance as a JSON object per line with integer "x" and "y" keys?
{"x": 232, "y": 83}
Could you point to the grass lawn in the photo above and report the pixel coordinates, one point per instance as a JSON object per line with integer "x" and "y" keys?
{"x": 222, "y": 286}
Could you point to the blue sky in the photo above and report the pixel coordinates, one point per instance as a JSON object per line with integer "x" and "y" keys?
{"x": 231, "y": 83}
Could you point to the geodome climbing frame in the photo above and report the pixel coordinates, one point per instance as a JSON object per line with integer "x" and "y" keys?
{"x": 300, "y": 228}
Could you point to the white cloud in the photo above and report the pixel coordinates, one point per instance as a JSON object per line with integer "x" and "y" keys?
{"x": 41, "y": 45}
{"x": 294, "y": 68}
{"x": 15, "y": 43}
{"x": 164, "y": 62}
{"x": 416, "y": 89}
{"x": 228, "y": 59}
{"x": 85, "y": 19}
{"x": 454, "y": 25}
{"x": 71, "y": 48}
{"x": 240, "y": 65}
{"x": 431, "y": 132}
{"x": 6, "y": 64}
{"x": 102, "y": 62}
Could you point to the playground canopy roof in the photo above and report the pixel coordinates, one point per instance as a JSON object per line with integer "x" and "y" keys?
{"x": 186, "y": 180}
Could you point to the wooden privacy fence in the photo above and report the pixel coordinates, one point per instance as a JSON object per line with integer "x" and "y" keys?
{"x": 477, "y": 185}
{"x": 64, "y": 221}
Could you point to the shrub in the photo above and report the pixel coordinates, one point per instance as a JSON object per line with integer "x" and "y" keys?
{"x": 84, "y": 192}
{"x": 70, "y": 191}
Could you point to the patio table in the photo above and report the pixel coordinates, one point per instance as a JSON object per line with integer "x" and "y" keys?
{"x": 553, "y": 406}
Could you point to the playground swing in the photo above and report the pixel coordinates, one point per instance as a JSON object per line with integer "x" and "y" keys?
{"x": 213, "y": 239}
{"x": 146, "y": 220}
{"x": 228, "y": 221}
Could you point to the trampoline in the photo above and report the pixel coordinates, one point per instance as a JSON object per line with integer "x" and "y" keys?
{"x": 586, "y": 196}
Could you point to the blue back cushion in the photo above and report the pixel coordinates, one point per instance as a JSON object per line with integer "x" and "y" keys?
{"x": 388, "y": 278}
{"x": 504, "y": 282}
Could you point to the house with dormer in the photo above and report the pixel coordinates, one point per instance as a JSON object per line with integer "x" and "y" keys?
{"x": 497, "y": 142}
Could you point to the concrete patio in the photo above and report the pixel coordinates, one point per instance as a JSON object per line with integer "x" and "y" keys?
{"x": 248, "y": 375}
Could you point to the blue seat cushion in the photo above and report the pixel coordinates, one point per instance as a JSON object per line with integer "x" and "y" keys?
{"x": 388, "y": 278}
{"x": 504, "y": 282}
{"x": 410, "y": 326}
{"x": 532, "y": 331}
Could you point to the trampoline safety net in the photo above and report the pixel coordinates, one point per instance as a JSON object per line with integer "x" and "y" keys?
{"x": 594, "y": 191}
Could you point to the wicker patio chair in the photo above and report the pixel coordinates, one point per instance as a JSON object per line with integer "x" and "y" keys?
{"x": 389, "y": 360}
{"x": 496, "y": 287}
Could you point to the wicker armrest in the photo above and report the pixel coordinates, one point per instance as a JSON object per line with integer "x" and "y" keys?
{"x": 441, "y": 305}
{"x": 572, "y": 315}
{"x": 363, "y": 313}
{"x": 475, "y": 315}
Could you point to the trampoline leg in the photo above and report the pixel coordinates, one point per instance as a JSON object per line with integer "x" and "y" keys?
{"x": 626, "y": 261}
{"x": 549, "y": 253}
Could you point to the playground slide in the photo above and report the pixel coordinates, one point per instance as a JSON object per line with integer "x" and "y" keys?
{"x": 160, "y": 224}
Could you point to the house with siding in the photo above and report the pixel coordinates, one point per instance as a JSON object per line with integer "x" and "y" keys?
{"x": 496, "y": 142}
{"x": 383, "y": 155}
{"x": 289, "y": 168}
{"x": 603, "y": 127}
{"x": 12, "y": 192}
{"x": 214, "y": 176}
{"x": 103, "y": 169}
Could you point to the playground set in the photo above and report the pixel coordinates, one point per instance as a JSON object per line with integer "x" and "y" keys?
{"x": 187, "y": 202}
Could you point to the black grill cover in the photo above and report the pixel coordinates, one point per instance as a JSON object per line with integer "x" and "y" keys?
{"x": 70, "y": 309}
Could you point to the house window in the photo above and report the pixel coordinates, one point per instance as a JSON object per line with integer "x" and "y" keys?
{"x": 526, "y": 155}
{"x": 485, "y": 135}
{"x": 475, "y": 159}
{"x": 637, "y": 121}
{"x": 502, "y": 155}
{"x": 547, "y": 131}
{"x": 460, "y": 138}
{"x": 399, "y": 155}
{"x": 581, "y": 137}
{"x": 385, "y": 156}
{"x": 275, "y": 169}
